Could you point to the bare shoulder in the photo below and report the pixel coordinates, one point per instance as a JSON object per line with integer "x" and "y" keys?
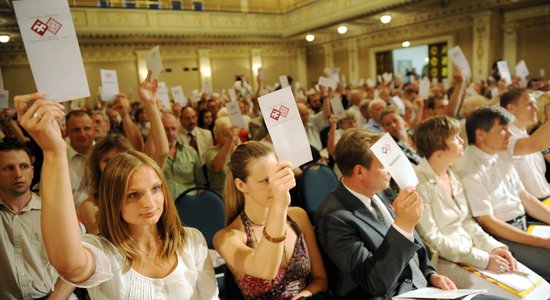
{"x": 231, "y": 233}
{"x": 299, "y": 215}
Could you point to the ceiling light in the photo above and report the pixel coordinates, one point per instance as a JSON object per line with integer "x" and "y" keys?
{"x": 385, "y": 19}
{"x": 406, "y": 44}
{"x": 310, "y": 37}
{"x": 4, "y": 38}
{"x": 342, "y": 29}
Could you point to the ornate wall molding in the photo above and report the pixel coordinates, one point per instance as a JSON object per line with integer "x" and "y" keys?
{"x": 482, "y": 39}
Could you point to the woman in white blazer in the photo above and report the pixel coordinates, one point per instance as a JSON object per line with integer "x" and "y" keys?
{"x": 446, "y": 224}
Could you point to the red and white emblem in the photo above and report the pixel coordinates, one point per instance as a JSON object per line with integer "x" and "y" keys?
{"x": 53, "y": 25}
{"x": 39, "y": 27}
{"x": 275, "y": 114}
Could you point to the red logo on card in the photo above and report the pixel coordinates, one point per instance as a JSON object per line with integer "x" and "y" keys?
{"x": 275, "y": 114}
{"x": 284, "y": 111}
{"x": 386, "y": 148}
{"x": 39, "y": 27}
{"x": 53, "y": 25}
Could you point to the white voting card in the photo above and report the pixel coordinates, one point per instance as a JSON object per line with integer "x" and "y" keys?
{"x": 458, "y": 58}
{"x": 285, "y": 126}
{"x": 517, "y": 281}
{"x": 178, "y": 95}
{"x": 52, "y": 48}
{"x": 395, "y": 161}
{"x": 232, "y": 94}
{"x": 399, "y": 103}
{"x": 335, "y": 75}
{"x": 162, "y": 94}
{"x": 424, "y": 88}
{"x": 388, "y": 77}
{"x": 371, "y": 83}
{"x": 327, "y": 82}
{"x": 435, "y": 81}
{"x": 4, "y": 99}
{"x": 207, "y": 85}
{"x": 194, "y": 95}
{"x": 261, "y": 74}
{"x": 435, "y": 293}
{"x": 504, "y": 72}
{"x": 362, "y": 81}
{"x": 521, "y": 70}
{"x": 337, "y": 107}
{"x": 283, "y": 80}
{"x": 153, "y": 62}
{"x": 234, "y": 113}
{"x": 445, "y": 82}
{"x": 542, "y": 231}
{"x": 379, "y": 78}
{"x": 109, "y": 85}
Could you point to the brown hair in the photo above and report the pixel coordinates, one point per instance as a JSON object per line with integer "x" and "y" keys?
{"x": 112, "y": 195}
{"x": 93, "y": 172}
{"x": 238, "y": 169}
{"x": 353, "y": 149}
{"x": 431, "y": 135}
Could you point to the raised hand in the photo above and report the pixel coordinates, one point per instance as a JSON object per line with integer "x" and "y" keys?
{"x": 281, "y": 180}
{"x": 122, "y": 104}
{"x": 148, "y": 89}
{"x": 39, "y": 117}
{"x": 408, "y": 209}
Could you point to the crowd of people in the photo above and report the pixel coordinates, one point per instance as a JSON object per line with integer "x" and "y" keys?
{"x": 87, "y": 196}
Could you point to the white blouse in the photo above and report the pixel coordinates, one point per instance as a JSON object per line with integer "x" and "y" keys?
{"x": 193, "y": 277}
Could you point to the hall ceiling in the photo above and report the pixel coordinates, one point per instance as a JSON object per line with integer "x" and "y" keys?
{"x": 264, "y": 20}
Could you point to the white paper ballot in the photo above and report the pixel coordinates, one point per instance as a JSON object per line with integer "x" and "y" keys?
{"x": 232, "y": 94}
{"x": 335, "y": 75}
{"x": 388, "y": 77}
{"x": 445, "y": 82}
{"x": 109, "y": 85}
{"x": 395, "y": 161}
{"x": 399, "y": 103}
{"x": 542, "y": 231}
{"x": 362, "y": 81}
{"x": 459, "y": 59}
{"x": 337, "y": 107}
{"x": 518, "y": 282}
{"x": 178, "y": 95}
{"x": 261, "y": 74}
{"x": 327, "y": 82}
{"x": 194, "y": 95}
{"x": 435, "y": 81}
{"x": 435, "y": 293}
{"x": 4, "y": 99}
{"x": 153, "y": 62}
{"x": 162, "y": 94}
{"x": 52, "y": 48}
{"x": 285, "y": 126}
{"x": 234, "y": 113}
{"x": 379, "y": 78}
{"x": 504, "y": 72}
{"x": 207, "y": 85}
{"x": 371, "y": 83}
{"x": 542, "y": 72}
{"x": 283, "y": 80}
{"x": 424, "y": 88}
{"x": 521, "y": 70}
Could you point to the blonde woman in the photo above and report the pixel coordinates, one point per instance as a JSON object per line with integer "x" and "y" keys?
{"x": 269, "y": 247}
{"x": 142, "y": 252}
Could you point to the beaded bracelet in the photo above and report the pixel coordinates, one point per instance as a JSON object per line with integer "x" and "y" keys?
{"x": 274, "y": 240}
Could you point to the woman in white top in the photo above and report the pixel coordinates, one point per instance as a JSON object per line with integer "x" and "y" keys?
{"x": 446, "y": 224}
{"x": 142, "y": 252}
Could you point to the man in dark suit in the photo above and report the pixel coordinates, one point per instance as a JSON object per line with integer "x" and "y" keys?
{"x": 371, "y": 250}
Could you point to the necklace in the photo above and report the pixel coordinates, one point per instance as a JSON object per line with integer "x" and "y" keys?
{"x": 148, "y": 256}
{"x": 247, "y": 219}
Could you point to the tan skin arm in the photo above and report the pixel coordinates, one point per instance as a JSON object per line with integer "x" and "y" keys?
{"x": 122, "y": 106}
{"x": 60, "y": 228}
{"x": 264, "y": 260}
{"x": 502, "y": 229}
{"x": 88, "y": 215}
{"x": 61, "y": 291}
{"x": 537, "y": 141}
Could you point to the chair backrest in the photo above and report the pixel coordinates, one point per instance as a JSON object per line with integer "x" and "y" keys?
{"x": 316, "y": 182}
{"x": 204, "y": 211}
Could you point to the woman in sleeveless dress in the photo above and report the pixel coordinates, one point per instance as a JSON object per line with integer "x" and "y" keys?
{"x": 269, "y": 247}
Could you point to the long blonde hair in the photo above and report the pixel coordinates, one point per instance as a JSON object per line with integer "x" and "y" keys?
{"x": 238, "y": 169}
{"x": 112, "y": 194}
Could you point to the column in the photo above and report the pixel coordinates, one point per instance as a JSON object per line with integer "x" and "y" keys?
{"x": 255, "y": 64}
{"x": 510, "y": 43}
{"x": 205, "y": 70}
{"x": 482, "y": 38}
{"x": 301, "y": 66}
{"x": 244, "y": 6}
{"x": 353, "y": 61}
{"x": 329, "y": 61}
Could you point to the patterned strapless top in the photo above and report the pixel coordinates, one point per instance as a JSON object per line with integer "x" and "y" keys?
{"x": 288, "y": 281}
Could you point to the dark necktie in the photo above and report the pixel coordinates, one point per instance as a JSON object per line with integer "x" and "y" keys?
{"x": 193, "y": 142}
{"x": 378, "y": 213}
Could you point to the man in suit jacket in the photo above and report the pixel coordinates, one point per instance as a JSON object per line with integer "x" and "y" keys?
{"x": 198, "y": 138}
{"x": 370, "y": 251}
